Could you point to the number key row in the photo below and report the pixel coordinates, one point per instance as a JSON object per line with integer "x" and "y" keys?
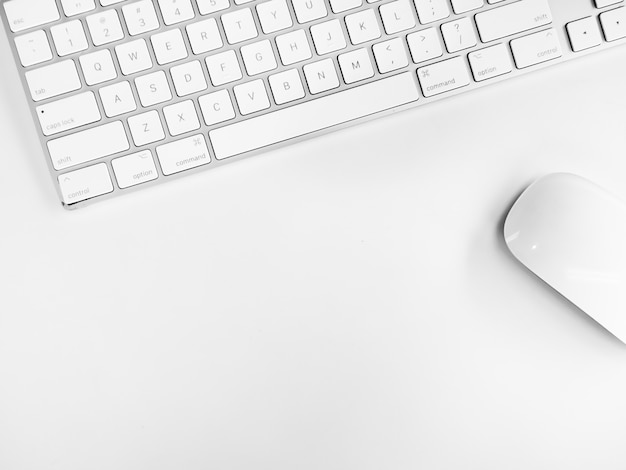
{"x": 274, "y": 15}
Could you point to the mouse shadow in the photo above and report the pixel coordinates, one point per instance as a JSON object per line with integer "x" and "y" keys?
{"x": 541, "y": 284}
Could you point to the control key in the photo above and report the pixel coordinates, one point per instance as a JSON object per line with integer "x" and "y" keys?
{"x": 85, "y": 183}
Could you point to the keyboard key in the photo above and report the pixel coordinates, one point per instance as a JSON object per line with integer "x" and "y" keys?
{"x": 251, "y": 97}
{"x": 490, "y": 62}
{"x": 362, "y": 26}
{"x": 309, "y": 10}
{"x": 258, "y": 57}
{"x": 443, "y": 76}
{"x": 536, "y": 48}
{"x": 69, "y": 38}
{"x": 98, "y": 67}
{"x": 321, "y": 76}
{"x": 86, "y": 183}
{"x": 133, "y": 56}
{"x": 239, "y": 25}
{"x": 356, "y": 66}
{"x": 462, "y": 6}
{"x": 339, "y": 6}
{"x": 328, "y": 37}
{"x": 188, "y": 78}
{"x": 216, "y": 107}
{"x": 181, "y": 118}
{"x": 117, "y": 99}
{"x": 33, "y": 48}
{"x": 134, "y": 169}
{"x": 614, "y": 24}
{"x": 153, "y": 89}
{"x": 606, "y": 3}
{"x": 204, "y": 36}
{"x": 286, "y": 86}
{"x": 310, "y": 116}
{"x": 183, "y": 155}
{"x": 274, "y": 16}
{"x": 429, "y": 11}
{"x": 169, "y": 46}
{"x": 293, "y": 47}
{"x": 397, "y": 16}
{"x": 584, "y": 34}
{"x": 26, "y": 14}
{"x": 223, "y": 68}
{"x": 53, "y": 80}
{"x": 146, "y": 128}
{"x": 206, "y": 7}
{"x": 76, "y": 7}
{"x": 513, "y": 18}
{"x": 105, "y": 27}
{"x": 85, "y": 146}
{"x": 459, "y": 35}
{"x": 106, "y": 3}
{"x": 140, "y": 17}
{"x": 176, "y": 11}
{"x": 68, "y": 113}
{"x": 424, "y": 45}
{"x": 390, "y": 55}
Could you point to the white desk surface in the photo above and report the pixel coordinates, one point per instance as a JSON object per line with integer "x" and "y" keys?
{"x": 346, "y": 303}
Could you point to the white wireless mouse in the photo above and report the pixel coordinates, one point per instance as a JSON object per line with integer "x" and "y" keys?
{"x": 572, "y": 234}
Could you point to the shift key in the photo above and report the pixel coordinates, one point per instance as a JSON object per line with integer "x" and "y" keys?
{"x": 88, "y": 145}
{"x": 512, "y": 19}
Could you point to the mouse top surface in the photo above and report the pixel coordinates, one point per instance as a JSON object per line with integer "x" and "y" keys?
{"x": 572, "y": 234}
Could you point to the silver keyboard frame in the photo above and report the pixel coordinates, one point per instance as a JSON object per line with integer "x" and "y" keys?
{"x": 564, "y": 11}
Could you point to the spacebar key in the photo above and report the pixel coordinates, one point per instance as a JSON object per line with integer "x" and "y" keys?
{"x": 314, "y": 115}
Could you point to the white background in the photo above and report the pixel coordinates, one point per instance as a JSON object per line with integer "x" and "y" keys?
{"x": 346, "y": 303}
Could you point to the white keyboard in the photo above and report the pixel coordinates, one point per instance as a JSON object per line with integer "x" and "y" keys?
{"x": 130, "y": 93}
